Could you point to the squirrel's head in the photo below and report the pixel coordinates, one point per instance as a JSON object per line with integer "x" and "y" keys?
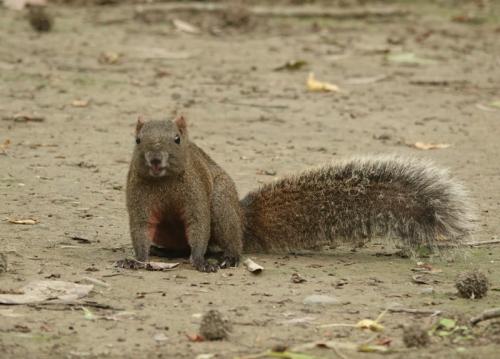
{"x": 161, "y": 147}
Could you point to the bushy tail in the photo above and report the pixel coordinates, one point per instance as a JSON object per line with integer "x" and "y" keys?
{"x": 356, "y": 200}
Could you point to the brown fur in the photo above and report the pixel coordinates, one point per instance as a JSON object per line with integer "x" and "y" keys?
{"x": 356, "y": 200}
{"x": 193, "y": 203}
{"x": 178, "y": 198}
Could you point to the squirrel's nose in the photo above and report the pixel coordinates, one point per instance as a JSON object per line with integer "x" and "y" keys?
{"x": 155, "y": 162}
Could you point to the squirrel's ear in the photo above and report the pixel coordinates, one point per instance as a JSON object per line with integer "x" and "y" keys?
{"x": 140, "y": 123}
{"x": 181, "y": 123}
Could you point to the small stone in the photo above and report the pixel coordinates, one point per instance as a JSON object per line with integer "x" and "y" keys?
{"x": 39, "y": 19}
{"x": 214, "y": 326}
{"x": 297, "y": 278}
{"x": 415, "y": 336}
{"x": 472, "y": 285}
{"x": 320, "y": 299}
{"x": 160, "y": 337}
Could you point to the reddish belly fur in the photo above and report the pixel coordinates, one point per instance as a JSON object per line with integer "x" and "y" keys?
{"x": 168, "y": 232}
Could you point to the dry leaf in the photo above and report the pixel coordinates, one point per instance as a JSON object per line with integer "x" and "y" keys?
{"x": 109, "y": 58}
{"x": 40, "y": 291}
{"x": 4, "y": 145}
{"x": 372, "y": 325}
{"x": 130, "y": 263}
{"x": 29, "y": 221}
{"x": 195, "y": 338}
{"x": 80, "y": 103}
{"x": 252, "y": 267}
{"x": 185, "y": 27}
{"x": 315, "y": 85}
{"x": 21, "y": 4}
{"x": 24, "y": 117}
{"x": 430, "y": 146}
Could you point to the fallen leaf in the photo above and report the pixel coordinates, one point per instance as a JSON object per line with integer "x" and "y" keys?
{"x": 409, "y": 58}
{"x": 160, "y": 266}
{"x": 195, "y": 338}
{"x": 293, "y": 65}
{"x": 87, "y": 314}
{"x": 41, "y": 291}
{"x": 430, "y": 146}
{"x": 252, "y": 267}
{"x": 297, "y": 278}
{"x": 185, "y": 27}
{"x": 373, "y": 348}
{"x": 205, "y": 356}
{"x": 80, "y": 103}
{"x": 317, "y": 86}
{"x": 372, "y": 325}
{"x": 160, "y": 337}
{"x": 130, "y": 263}
{"x": 28, "y": 221}
{"x": 446, "y": 324}
{"x": 290, "y": 355}
{"x": 383, "y": 341}
{"x": 21, "y": 4}
{"x": 486, "y": 108}
{"x": 23, "y": 117}
{"x": 5, "y": 145}
{"x": 109, "y": 58}
{"x": 495, "y": 104}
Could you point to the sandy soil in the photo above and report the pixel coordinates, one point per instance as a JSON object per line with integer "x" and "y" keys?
{"x": 100, "y": 67}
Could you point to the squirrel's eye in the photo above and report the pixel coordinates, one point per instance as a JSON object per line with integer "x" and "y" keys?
{"x": 177, "y": 139}
{"x": 137, "y": 140}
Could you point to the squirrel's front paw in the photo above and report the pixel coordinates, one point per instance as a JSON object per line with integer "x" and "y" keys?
{"x": 228, "y": 262}
{"x": 203, "y": 266}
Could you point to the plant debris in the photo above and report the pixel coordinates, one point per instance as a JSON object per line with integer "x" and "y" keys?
{"x": 472, "y": 285}
{"x": 45, "y": 290}
{"x": 26, "y": 221}
{"x": 318, "y": 86}
{"x": 214, "y": 326}
{"x": 429, "y": 146}
{"x": 252, "y": 267}
{"x": 130, "y": 263}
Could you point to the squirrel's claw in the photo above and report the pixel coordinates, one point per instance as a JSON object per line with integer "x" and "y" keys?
{"x": 203, "y": 266}
{"x": 228, "y": 262}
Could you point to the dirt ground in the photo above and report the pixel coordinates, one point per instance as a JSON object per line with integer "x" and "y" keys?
{"x": 89, "y": 78}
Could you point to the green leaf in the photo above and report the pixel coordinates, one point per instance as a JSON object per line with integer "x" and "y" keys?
{"x": 447, "y": 324}
{"x": 291, "y": 355}
{"x": 495, "y": 104}
{"x": 87, "y": 314}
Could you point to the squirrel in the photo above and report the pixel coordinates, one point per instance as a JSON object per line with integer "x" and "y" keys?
{"x": 180, "y": 200}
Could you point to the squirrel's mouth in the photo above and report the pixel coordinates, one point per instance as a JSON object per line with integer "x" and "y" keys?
{"x": 157, "y": 170}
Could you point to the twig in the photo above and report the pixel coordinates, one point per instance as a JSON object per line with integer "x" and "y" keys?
{"x": 256, "y": 105}
{"x": 288, "y": 11}
{"x": 66, "y": 306}
{"x": 469, "y": 244}
{"x": 432, "y": 313}
{"x": 487, "y": 314}
{"x": 482, "y": 243}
